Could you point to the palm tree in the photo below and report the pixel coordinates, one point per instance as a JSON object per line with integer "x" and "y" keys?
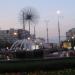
{"x": 28, "y": 15}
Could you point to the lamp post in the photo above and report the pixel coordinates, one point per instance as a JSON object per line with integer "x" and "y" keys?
{"x": 34, "y": 32}
{"x": 15, "y": 33}
{"x": 47, "y": 36}
{"x": 47, "y": 21}
{"x": 58, "y": 13}
{"x": 73, "y": 41}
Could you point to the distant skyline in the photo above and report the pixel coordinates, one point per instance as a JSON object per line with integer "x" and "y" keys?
{"x": 10, "y": 9}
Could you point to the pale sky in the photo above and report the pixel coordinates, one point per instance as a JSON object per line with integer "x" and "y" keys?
{"x": 10, "y": 9}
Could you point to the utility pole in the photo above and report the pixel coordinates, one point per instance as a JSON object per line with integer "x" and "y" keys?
{"x": 34, "y": 32}
{"x": 23, "y": 20}
{"x": 58, "y": 13}
{"x": 59, "y": 31}
{"x": 47, "y": 30}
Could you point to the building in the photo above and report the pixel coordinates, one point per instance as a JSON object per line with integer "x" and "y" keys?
{"x": 70, "y": 34}
{"x": 66, "y": 44}
{"x": 12, "y": 35}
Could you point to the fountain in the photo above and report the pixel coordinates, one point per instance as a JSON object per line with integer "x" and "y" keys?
{"x": 24, "y": 44}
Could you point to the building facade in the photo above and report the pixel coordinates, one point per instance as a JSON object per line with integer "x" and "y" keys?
{"x": 70, "y": 34}
{"x": 12, "y": 35}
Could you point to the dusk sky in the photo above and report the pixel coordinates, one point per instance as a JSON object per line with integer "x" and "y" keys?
{"x": 10, "y": 9}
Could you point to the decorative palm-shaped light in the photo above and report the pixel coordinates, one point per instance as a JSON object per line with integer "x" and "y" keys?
{"x": 28, "y": 15}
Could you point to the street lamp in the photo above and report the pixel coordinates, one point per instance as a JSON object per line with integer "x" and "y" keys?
{"x": 34, "y": 32}
{"x": 73, "y": 40}
{"x": 28, "y": 38}
{"x": 15, "y": 33}
{"x": 58, "y": 13}
{"x": 68, "y": 40}
{"x": 47, "y": 22}
{"x": 72, "y": 37}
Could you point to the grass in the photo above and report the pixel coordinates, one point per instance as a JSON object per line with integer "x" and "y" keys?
{"x": 60, "y": 72}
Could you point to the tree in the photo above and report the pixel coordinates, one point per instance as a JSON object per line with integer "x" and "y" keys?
{"x": 28, "y": 16}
